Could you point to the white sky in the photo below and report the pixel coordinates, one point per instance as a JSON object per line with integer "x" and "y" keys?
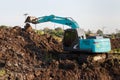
{"x": 89, "y": 14}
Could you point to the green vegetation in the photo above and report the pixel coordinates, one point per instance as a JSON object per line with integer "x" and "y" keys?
{"x": 115, "y": 51}
{"x": 54, "y": 32}
{"x": 4, "y": 26}
{"x": 118, "y": 34}
{"x": 2, "y": 72}
{"x": 40, "y": 32}
{"x": 99, "y": 32}
{"x": 58, "y": 32}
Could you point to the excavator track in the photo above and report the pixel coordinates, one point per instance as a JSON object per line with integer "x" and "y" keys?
{"x": 87, "y": 57}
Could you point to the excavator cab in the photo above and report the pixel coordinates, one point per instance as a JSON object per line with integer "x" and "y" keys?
{"x": 71, "y": 39}
{"x": 70, "y": 36}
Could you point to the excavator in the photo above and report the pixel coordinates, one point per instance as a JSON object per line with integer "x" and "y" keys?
{"x": 75, "y": 39}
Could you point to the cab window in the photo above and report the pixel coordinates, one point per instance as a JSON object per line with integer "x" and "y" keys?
{"x": 69, "y": 37}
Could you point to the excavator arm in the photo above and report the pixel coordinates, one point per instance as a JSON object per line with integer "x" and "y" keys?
{"x": 52, "y": 18}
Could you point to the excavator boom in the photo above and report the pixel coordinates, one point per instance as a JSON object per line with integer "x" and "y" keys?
{"x": 51, "y": 18}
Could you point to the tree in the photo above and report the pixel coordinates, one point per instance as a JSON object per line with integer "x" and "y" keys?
{"x": 54, "y": 32}
{"x": 59, "y": 32}
{"x": 47, "y": 30}
{"x": 3, "y": 26}
{"x": 99, "y": 32}
{"x": 58, "y": 29}
{"x": 88, "y": 32}
{"x": 118, "y": 33}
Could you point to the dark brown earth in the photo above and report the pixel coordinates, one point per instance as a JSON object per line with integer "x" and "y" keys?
{"x": 115, "y": 43}
{"x": 25, "y": 55}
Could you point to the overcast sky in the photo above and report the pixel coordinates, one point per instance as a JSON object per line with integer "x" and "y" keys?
{"x": 89, "y": 14}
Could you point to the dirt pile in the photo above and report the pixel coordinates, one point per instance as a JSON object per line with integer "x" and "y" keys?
{"x": 25, "y": 55}
{"x": 22, "y": 49}
{"x": 115, "y": 43}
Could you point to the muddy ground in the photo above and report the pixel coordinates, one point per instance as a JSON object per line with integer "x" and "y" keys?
{"x": 25, "y": 55}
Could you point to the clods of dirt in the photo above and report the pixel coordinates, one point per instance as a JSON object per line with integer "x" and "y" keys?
{"x": 25, "y": 55}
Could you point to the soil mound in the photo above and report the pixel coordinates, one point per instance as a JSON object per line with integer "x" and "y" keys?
{"x": 115, "y": 43}
{"x": 25, "y": 55}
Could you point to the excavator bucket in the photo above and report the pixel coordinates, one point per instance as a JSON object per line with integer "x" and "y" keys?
{"x": 27, "y": 19}
{"x": 31, "y": 19}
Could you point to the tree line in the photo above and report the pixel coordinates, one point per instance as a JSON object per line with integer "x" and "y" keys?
{"x": 59, "y": 32}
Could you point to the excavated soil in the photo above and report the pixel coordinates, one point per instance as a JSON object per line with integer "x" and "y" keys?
{"x": 25, "y": 55}
{"x": 115, "y": 43}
